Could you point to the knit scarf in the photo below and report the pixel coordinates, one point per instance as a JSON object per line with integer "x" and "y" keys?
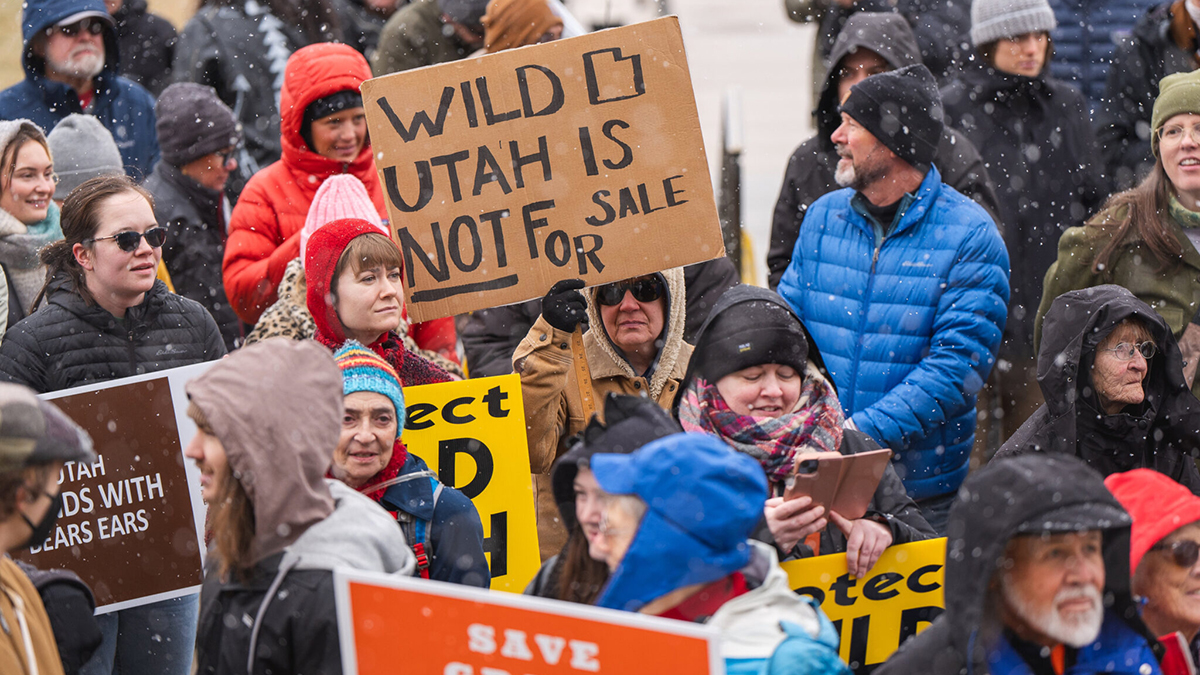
{"x": 412, "y": 368}
{"x": 814, "y": 426}
{"x": 399, "y": 457}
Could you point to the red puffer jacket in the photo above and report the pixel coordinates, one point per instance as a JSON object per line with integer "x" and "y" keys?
{"x": 265, "y": 226}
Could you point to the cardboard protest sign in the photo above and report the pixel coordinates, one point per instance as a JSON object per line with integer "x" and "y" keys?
{"x": 456, "y": 630}
{"x": 472, "y": 435}
{"x": 900, "y": 596}
{"x": 576, "y": 158}
{"x": 131, "y": 523}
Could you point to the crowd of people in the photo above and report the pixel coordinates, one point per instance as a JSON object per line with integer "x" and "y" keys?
{"x": 989, "y": 271}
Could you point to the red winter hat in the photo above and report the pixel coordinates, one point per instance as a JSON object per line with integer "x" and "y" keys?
{"x": 325, "y": 247}
{"x": 1158, "y": 505}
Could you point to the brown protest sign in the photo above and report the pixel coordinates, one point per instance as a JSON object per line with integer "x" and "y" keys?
{"x": 128, "y": 523}
{"x": 576, "y": 158}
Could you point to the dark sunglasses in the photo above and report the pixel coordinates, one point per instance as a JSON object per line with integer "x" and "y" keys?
{"x": 1184, "y": 552}
{"x": 644, "y": 289}
{"x": 129, "y": 240}
{"x": 92, "y": 26}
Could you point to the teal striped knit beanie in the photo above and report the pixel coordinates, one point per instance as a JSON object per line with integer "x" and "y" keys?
{"x": 364, "y": 370}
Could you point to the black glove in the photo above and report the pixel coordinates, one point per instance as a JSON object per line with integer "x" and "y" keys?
{"x": 564, "y": 306}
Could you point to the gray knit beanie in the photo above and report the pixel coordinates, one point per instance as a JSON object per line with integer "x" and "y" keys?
{"x": 992, "y": 20}
{"x": 82, "y": 150}
{"x": 192, "y": 121}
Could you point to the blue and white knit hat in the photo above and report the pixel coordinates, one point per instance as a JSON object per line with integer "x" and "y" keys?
{"x": 364, "y": 370}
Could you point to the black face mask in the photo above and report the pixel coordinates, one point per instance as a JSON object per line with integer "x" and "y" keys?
{"x": 42, "y": 530}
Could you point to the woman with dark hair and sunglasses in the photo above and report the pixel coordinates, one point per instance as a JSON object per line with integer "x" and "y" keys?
{"x": 634, "y": 346}
{"x": 1112, "y": 377}
{"x": 1164, "y": 551}
{"x": 105, "y": 315}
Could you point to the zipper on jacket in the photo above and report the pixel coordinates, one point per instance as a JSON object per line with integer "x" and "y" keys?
{"x": 862, "y": 317}
{"x": 132, "y": 350}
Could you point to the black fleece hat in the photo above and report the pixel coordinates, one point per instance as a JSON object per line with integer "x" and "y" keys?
{"x": 192, "y": 121}
{"x": 326, "y": 106}
{"x": 630, "y": 423}
{"x": 751, "y": 334}
{"x": 902, "y": 109}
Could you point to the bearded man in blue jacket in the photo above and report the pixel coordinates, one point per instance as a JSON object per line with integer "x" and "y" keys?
{"x": 903, "y": 284}
{"x": 70, "y": 60}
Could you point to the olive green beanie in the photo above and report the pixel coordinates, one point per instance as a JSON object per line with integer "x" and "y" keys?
{"x": 1177, "y": 94}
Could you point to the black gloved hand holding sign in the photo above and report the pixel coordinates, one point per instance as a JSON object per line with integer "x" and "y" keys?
{"x": 564, "y": 307}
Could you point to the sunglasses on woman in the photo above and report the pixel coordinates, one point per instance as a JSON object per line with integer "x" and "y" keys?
{"x": 644, "y": 289}
{"x": 129, "y": 240}
{"x": 1184, "y": 552}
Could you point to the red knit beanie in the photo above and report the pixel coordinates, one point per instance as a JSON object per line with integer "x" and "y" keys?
{"x": 325, "y": 246}
{"x": 1158, "y": 505}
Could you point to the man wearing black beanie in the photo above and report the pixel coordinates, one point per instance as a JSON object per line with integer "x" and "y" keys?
{"x": 903, "y": 285}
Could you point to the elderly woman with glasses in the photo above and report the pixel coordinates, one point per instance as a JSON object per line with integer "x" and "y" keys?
{"x": 1164, "y": 551}
{"x": 1112, "y": 377}
{"x": 1146, "y": 238}
{"x": 634, "y": 345}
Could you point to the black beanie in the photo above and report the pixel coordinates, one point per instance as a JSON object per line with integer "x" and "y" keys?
{"x": 326, "y": 106}
{"x": 630, "y": 422}
{"x": 750, "y": 334}
{"x": 903, "y": 109}
{"x": 192, "y": 121}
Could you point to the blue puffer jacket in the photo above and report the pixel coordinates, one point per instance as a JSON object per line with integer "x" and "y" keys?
{"x": 1088, "y": 32}
{"x": 910, "y": 336}
{"x": 122, "y": 106}
{"x": 1119, "y": 650}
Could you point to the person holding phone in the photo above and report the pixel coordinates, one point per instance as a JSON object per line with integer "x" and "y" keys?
{"x": 758, "y": 382}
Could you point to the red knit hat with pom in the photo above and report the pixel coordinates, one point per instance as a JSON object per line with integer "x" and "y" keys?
{"x": 1158, "y": 505}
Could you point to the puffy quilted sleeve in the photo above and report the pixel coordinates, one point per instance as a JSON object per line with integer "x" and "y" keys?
{"x": 967, "y": 328}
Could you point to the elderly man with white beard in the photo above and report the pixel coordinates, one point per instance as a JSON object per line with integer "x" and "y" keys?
{"x": 1037, "y": 579}
{"x": 70, "y": 59}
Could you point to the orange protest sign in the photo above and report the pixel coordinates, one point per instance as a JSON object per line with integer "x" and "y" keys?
{"x": 464, "y": 631}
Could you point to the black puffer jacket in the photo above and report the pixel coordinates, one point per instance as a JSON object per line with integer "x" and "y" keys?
{"x": 810, "y": 171}
{"x": 147, "y": 44}
{"x": 194, "y": 217}
{"x": 1004, "y": 500}
{"x": 1123, "y": 121}
{"x": 490, "y": 336}
{"x": 1162, "y": 433}
{"x": 68, "y": 342}
{"x": 1041, "y": 154}
{"x": 891, "y": 505}
{"x": 241, "y": 51}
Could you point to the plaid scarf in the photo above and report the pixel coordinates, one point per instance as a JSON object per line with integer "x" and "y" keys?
{"x": 814, "y": 426}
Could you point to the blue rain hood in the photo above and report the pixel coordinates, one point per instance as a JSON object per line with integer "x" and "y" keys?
{"x": 703, "y": 500}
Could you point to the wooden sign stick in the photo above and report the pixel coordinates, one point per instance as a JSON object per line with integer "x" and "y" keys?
{"x": 582, "y": 374}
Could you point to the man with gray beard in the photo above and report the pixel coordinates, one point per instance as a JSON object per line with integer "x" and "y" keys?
{"x": 1036, "y": 579}
{"x": 902, "y": 282}
{"x": 70, "y": 61}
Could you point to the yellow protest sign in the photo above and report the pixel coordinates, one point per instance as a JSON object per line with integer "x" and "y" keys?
{"x": 900, "y": 597}
{"x": 472, "y": 435}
